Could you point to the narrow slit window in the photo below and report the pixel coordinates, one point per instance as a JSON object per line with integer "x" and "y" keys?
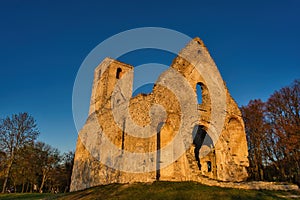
{"x": 208, "y": 166}
{"x": 199, "y": 92}
{"x": 119, "y": 73}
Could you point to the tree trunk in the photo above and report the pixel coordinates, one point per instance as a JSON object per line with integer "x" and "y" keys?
{"x": 7, "y": 173}
{"x": 43, "y": 182}
{"x": 4, "y": 184}
{"x": 261, "y": 174}
{"x": 65, "y": 189}
{"x": 27, "y": 187}
{"x": 23, "y": 186}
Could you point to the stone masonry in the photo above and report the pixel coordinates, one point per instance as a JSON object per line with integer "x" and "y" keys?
{"x": 114, "y": 114}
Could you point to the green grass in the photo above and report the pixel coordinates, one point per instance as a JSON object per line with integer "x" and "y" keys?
{"x": 26, "y": 196}
{"x": 160, "y": 190}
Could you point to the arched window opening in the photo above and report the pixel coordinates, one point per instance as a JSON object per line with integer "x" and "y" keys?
{"x": 208, "y": 166}
{"x": 119, "y": 73}
{"x": 199, "y": 92}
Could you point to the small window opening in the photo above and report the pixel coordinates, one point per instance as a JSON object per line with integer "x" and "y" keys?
{"x": 199, "y": 92}
{"x": 118, "y": 74}
{"x": 208, "y": 166}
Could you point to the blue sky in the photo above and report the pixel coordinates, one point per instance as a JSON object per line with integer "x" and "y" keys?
{"x": 255, "y": 45}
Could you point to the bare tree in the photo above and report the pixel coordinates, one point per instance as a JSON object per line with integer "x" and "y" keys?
{"x": 15, "y": 132}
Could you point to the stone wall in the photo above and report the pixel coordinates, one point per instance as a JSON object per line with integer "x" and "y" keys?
{"x": 114, "y": 114}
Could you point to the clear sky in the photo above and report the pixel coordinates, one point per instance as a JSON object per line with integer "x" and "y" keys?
{"x": 255, "y": 45}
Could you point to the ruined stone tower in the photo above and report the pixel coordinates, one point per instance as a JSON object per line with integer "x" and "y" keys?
{"x": 163, "y": 135}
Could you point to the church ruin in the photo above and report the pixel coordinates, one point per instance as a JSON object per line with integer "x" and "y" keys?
{"x": 209, "y": 143}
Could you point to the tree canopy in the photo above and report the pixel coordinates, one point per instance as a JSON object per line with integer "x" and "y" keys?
{"x": 28, "y": 165}
{"x": 273, "y": 135}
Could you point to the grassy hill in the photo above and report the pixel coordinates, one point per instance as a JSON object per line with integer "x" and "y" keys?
{"x": 160, "y": 190}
